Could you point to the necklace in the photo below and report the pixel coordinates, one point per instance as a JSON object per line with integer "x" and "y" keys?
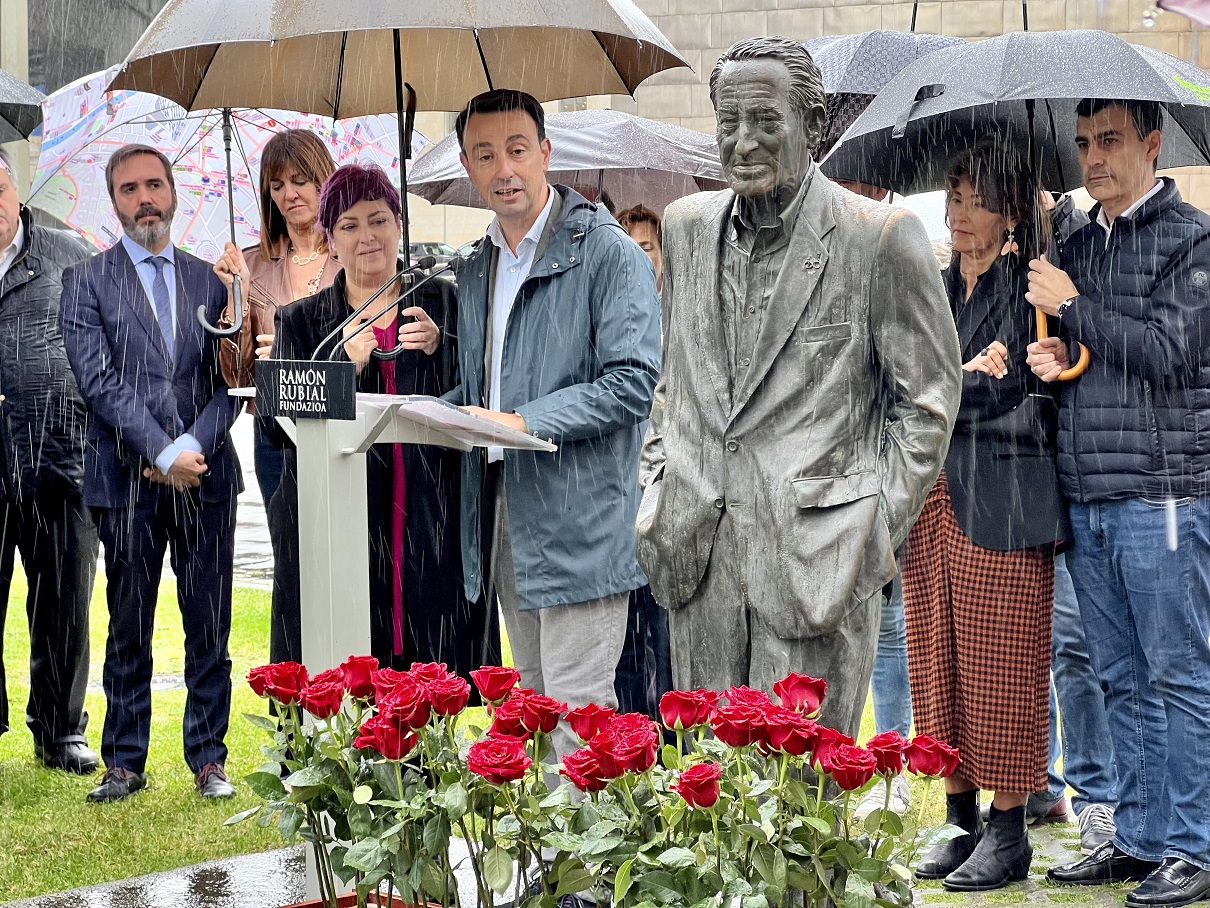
{"x": 299, "y": 260}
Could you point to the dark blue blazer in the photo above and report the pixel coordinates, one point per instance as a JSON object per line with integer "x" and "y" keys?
{"x": 138, "y": 401}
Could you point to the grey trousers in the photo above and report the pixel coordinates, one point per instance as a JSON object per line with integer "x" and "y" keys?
{"x": 569, "y": 652}
{"x": 719, "y": 638}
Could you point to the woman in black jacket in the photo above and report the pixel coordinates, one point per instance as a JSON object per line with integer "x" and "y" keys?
{"x": 418, "y": 610}
{"x": 978, "y": 571}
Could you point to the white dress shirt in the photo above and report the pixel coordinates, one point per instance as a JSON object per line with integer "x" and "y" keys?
{"x": 9, "y": 256}
{"x": 511, "y": 272}
{"x": 1129, "y": 212}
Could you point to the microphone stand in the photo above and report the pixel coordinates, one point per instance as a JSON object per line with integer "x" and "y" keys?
{"x": 394, "y": 353}
{"x": 427, "y": 262}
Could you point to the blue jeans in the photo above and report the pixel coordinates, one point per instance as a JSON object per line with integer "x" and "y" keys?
{"x": 889, "y": 683}
{"x": 1146, "y": 612}
{"x": 1084, "y": 725}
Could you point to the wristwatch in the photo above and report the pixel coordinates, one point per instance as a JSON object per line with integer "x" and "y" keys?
{"x": 1064, "y": 306}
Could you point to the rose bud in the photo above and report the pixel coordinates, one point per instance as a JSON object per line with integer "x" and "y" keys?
{"x": 358, "y": 672}
{"x": 888, "y": 749}
{"x": 827, "y": 739}
{"x": 506, "y": 720}
{"x": 540, "y": 713}
{"x": 850, "y": 767}
{"x": 789, "y": 731}
{"x": 285, "y": 682}
{"x": 324, "y": 694}
{"x": 698, "y": 784}
{"x": 583, "y": 768}
{"x": 684, "y": 709}
{"x": 498, "y": 760}
{"x": 386, "y": 679}
{"x": 448, "y": 695}
{"x": 586, "y": 721}
{"x": 739, "y": 725}
{"x": 801, "y": 692}
{"x": 495, "y": 681}
{"x": 406, "y": 705}
{"x": 926, "y": 756}
{"x": 428, "y": 671}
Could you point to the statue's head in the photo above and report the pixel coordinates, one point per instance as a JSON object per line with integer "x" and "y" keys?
{"x": 768, "y": 99}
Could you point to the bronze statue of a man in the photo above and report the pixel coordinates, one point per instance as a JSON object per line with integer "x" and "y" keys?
{"x": 811, "y": 376}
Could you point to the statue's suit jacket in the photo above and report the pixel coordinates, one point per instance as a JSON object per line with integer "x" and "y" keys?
{"x": 823, "y": 454}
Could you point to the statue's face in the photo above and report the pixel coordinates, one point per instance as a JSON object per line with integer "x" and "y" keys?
{"x": 762, "y": 140}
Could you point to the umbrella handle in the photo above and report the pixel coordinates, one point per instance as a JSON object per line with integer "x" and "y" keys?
{"x": 237, "y": 321}
{"x": 1081, "y": 365}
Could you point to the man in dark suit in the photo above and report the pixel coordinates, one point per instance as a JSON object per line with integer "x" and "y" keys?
{"x": 159, "y": 471}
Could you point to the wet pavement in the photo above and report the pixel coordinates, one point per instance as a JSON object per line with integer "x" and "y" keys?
{"x": 253, "y": 553}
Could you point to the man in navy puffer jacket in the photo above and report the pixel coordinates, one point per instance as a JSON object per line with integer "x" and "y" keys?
{"x": 1134, "y": 461}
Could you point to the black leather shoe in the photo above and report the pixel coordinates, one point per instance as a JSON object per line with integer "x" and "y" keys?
{"x": 72, "y": 756}
{"x": 1175, "y": 882}
{"x": 1002, "y": 856}
{"x": 116, "y": 784}
{"x": 212, "y": 782}
{"x": 961, "y": 810}
{"x": 1107, "y": 864}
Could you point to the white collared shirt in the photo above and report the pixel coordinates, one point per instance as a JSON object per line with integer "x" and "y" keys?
{"x": 9, "y": 256}
{"x": 1129, "y": 212}
{"x": 511, "y": 272}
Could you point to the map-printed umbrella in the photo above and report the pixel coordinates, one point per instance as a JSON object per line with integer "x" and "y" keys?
{"x": 85, "y": 124}
{"x": 604, "y": 152}
{"x": 20, "y": 110}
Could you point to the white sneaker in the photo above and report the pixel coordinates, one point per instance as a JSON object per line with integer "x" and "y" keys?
{"x": 1096, "y": 827}
{"x": 876, "y": 799}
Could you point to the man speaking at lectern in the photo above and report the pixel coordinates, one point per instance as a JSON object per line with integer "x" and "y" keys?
{"x": 159, "y": 471}
{"x": 558, "y": 337}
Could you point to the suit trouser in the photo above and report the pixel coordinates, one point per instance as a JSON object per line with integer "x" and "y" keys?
{"x": 720, "y": 639}
{"x": 201, "y": 539}
{"x": 58, "y": 545}
{"x": 569, "y": 652}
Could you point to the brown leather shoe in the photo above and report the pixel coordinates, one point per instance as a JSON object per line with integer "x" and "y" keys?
{"x": 212, "y": 782}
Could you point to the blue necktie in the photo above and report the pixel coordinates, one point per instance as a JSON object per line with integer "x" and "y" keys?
{"x": 163, "y": 304}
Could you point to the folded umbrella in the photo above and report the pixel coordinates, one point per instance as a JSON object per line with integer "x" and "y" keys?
{"x": 601, "y": 152}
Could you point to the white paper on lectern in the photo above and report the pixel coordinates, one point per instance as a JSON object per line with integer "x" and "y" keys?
{"x": 439, "y": 414}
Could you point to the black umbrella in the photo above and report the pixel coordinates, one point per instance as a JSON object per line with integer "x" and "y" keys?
{"x": 1024, "y": 87}
{"x": 20, "y": 108}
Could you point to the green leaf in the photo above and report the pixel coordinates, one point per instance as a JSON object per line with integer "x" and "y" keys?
{"x": 264, "y": 722}
{"x": 432, "y": 879}
{"x": 600, "y": 847}
{"x": 361, "y": 820}
{"x": 363, "y": 794}
{"x": 755, "y": 901}
{"x": 241, "y": 816}
{"x": 676, "y": 858}
{"x": 886, "y": 821}
{"x": 266, "y": 785}
{"x": 289, "y": 822}
{"x": 563, "y": 841}
{"x": 798, "y": 878}
{"x": 621, "y": 881}
{"x": 436, "y": 834}
{"x": 661, "y": 887}
{"x": 454, "y": 800}
{"x": 753, "y": 832}
{"x": 498, "y": 869}
{"x": 365, "y": 855}
{"x": 670, "y": 756}
{"x": 573, "y": 877}
{"x": 307, "y": 777}
{"x": 770, "y": 863}
{"x": 858, "y": 892}
{"x": 823, "y": 827}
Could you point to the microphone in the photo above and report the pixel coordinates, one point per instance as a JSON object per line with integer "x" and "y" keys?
{"x": 422, "y": 264}
{"x": 453, "y": 263}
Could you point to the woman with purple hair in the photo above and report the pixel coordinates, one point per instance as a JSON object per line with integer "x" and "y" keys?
{"x": 418, "y": 610}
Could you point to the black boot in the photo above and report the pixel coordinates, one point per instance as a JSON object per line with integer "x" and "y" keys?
{"x": 961, "y": 810}
{"x": 1001, "y": 857}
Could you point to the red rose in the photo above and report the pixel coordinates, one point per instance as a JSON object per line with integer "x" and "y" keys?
{"x": 258, "y": 679}
{"x": 506, "y": 720}
{"x": 428, "y": 671}
{"x": 583, "y": 768}
{"x": 449, "y": 695}
{"x": 285, "y": 681}
{"x": 698, "y": 784}
{"x": 926, "y": 756}
{"x": 385, "y": 679}
{"x": 540, "y": 713}
{"x": 389, "y": 739}
{"x": 498, "y": 760}
{"x": 586, "y": 721}
{"x": 888, "y": 749}
{"x": 324, "y": 694}
{"x": 682, "y": 709}
{"x": 826, "y": 740}
{"x": 495, "y": 681}
{"x": 850, "y": 767}
{"x": 789, "y": 731}
{"x": 407, "y": 704}
{"x": 739, "y": 725}
{"x": 635, "y": 740}
{"x": 747, "y": 696}
{"x": 801, "y": 692}
{"x": 358, "y": 672}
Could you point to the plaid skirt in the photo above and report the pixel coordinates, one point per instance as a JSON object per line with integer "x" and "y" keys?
{"x": 979, "y": 648}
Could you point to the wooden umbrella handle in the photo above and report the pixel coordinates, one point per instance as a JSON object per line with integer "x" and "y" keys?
{"x": 1081, "y": 364}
